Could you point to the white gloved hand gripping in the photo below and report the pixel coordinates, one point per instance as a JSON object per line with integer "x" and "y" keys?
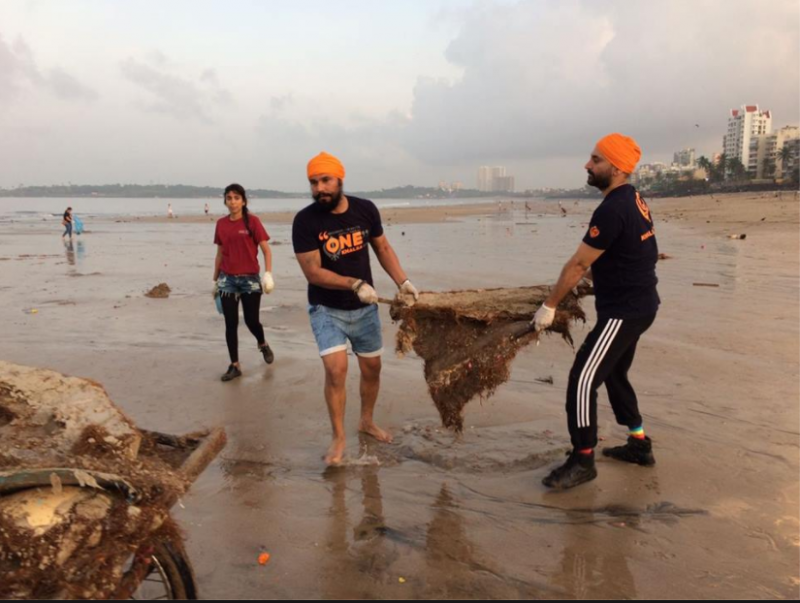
{"x": 543, "y": 318}
{"x": 365, "y": 292}
{"x": 408, "y": 289}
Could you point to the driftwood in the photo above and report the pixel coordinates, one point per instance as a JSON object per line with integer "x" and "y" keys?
{"x": 468, "y": 339}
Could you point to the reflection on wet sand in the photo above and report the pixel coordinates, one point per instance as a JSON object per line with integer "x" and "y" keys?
{"x": 75, "y": 251}
{"x": 356, "y": 567}
{"x": 445, "y": 561}
{"x": 591, "y": 567}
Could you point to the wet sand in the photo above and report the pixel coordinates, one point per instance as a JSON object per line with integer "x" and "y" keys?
{"x": 400, "y": 215}
{"x": 432, "y": 516}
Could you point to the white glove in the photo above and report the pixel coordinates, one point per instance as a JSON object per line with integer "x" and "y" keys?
{"x": 408, "y": 289}
{"x": 543, "y": 318}
{"x": 267, "y": 284}
{"x": 215, "y": 290}
{"x": 365, "y": 292}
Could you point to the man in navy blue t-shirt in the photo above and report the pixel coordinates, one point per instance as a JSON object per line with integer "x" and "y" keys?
{"x": 331, "y": 239}
{"x": 619, "y": 253}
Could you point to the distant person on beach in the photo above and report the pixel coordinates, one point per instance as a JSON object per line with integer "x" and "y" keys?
{"x": 620, "y": 249}
{"x": 331, "y": 239}
{"x": 169, "y": 211}
{"x": 238, "y": 237}
{"x": 206, "y": 208}
{"x": 67, "y": 223}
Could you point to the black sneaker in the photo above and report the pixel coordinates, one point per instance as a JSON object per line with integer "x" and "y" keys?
{"x": 635, "y": 451}
{"x": 578, "y": 469}
{"x": 269, "y": 357}
{"x": 233, "y": 372}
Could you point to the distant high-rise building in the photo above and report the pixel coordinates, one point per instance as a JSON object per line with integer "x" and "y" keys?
{"x": 744, "y": 125}
{"x": 503, "y": 184}
{"x": 485, "y": 179}
{"x": 498, "y": 172}
{"x": 457, "y": 186}
{"x": 494, "y": 180}
{"x": 792, "y": 167}
{"x": 684, "y": 158}
{"x": 765, "y": 152}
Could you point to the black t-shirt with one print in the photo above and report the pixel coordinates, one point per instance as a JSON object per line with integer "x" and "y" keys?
{"x": 343, "y": 244}
{"x": 625, "y": 275}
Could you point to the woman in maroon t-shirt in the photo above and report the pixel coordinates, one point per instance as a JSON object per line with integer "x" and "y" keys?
{"x": 238, "y": 238}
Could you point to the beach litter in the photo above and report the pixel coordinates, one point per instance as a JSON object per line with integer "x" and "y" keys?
{"x": 160, "y": 291}
{"x": 468, "y": 339}
{"x": 71, "y": 536}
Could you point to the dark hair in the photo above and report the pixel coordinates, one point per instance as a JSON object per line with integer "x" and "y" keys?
{"x": 239, "y": 190}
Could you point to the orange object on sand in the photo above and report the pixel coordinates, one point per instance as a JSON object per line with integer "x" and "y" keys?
{"x": 263, "y": 558}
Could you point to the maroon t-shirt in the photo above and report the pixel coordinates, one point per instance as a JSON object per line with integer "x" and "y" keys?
{"x": 239, "y": 249}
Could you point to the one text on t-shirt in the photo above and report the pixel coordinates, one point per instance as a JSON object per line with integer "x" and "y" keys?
{"x": 343, "y": 244}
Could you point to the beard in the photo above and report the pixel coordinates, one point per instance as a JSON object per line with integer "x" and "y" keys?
{"x": 601, "y": 181}
{"x": 328, "y": 201}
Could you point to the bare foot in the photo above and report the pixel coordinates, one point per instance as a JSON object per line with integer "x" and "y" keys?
{"x": 335, "y": 452}
{"x": 376, "y": 432}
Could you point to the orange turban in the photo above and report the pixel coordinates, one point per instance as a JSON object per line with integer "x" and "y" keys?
{"x": 621, "y": 151}
{"x": 324, "y": 163}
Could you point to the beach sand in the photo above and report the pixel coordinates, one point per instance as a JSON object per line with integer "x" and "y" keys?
{"x": 430, "y": 515}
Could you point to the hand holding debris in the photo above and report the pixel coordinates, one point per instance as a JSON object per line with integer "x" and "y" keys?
{"x": 366, "y": 293}
{"x": 543, "y": 318}
{"x": 215, "y": 290}
{"x": 408, "y": 289}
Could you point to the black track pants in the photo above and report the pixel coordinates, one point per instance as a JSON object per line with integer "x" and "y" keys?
{"x": 604, "y": 357}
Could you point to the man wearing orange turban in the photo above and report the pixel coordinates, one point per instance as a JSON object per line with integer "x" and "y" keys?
{"x": 619, "y": 253}
{"x": 325, "y": 163}
{"x": 331, "y": 239}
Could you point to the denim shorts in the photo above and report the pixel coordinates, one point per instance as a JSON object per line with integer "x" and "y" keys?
{"x": 333, "y": 328}
{"x": 236, "y": 285}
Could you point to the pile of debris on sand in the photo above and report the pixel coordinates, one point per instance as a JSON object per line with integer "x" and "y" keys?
{"x": 81, "y": 488}
{"x": 468, "y": 339}
{"x": 160, "y": 291}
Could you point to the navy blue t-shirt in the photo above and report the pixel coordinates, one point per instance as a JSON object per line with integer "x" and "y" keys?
{"x": 343, "y": 244}
{"x": 625, "y": 275}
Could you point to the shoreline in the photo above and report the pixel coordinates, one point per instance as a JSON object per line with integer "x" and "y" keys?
{"x": 711, "y": 212}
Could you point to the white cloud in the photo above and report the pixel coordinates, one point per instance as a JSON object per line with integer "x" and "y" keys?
{"x": 182, "y": 97}
{"x": 545, "y": 79}
{"x": 19, "y": 72}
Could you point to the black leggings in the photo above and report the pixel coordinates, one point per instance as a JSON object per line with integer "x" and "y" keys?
{"x": 251, "y": 303}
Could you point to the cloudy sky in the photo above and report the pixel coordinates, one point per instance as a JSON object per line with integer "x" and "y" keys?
{"x": 405, "y": 91}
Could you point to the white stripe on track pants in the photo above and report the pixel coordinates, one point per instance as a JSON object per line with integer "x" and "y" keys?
{"x": 605, "y": 357}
